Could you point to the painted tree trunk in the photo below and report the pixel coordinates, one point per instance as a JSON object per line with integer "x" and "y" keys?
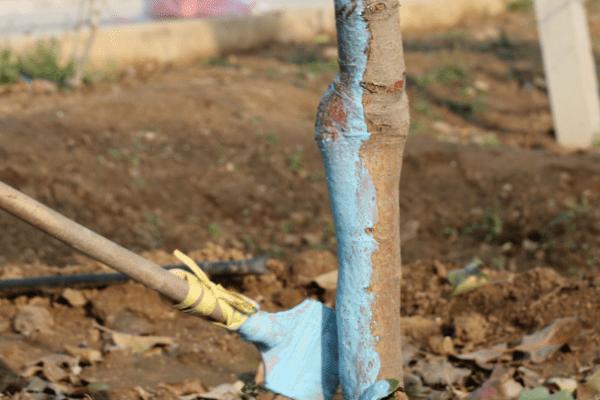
{"x": 361, "y": 129}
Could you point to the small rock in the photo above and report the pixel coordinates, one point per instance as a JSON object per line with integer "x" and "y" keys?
{"x": 482, "y": 86}
{"x": 471, "y": 327}
{"x": 74, "y": 297}
{"x": 442, "y": 345}
{"x": 418, "y": 327}
{"x": 33, "y": 319}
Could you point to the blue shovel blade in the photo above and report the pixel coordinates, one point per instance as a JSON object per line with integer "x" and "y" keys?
{"x": 299, "y": 350}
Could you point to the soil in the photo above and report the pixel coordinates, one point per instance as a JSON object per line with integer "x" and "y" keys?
{"x": 217, "y": 159}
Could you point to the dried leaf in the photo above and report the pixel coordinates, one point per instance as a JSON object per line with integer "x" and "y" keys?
{"x": 413, "y": 386}
{"x": 327, "y": 281}
{"x": 33, "y": 319}
{"x": 500, "y": 385}
{"x": 142, "y": 393}
{"x": 441, "y": 372}
{"x": 55, "y": 368}
{"x": 187, "y": 387}
{"x": 135, "y": 343}
{"x": 485, "y": 358}
{"x": 568, "y": 385}
{"x": 85, "y": 354}
{"x": 590, "y": 390}
{"x": 543, "y": 344}
{"x": 225, "y": 392}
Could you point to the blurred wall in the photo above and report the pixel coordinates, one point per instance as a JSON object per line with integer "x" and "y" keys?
{"x": 22, "y": 16}
{"x": 179, "y": 40}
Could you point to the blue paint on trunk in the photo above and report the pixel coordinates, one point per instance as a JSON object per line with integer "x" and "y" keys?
{"x": 341, "y": 133}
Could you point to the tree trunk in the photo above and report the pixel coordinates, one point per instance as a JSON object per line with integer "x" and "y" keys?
{"x": 362, "y": 126}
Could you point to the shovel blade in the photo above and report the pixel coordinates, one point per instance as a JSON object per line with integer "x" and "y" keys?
{"x": 299, "y": 350}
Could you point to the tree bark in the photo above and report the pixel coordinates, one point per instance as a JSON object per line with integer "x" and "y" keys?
{"x": 361, "y": 129}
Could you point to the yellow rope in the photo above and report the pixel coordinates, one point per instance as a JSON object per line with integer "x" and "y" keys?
{"x": 204, "y": 296}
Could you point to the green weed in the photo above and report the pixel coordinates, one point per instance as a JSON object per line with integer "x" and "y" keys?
{"x": 287, "y": 227}
{"x": 214, "y": 231}
{"x": 44, "y": 63}
{"x": 519, "y": 5}
{"x": 489, "y": 227}
{"x": 9, "y": 67}
{"x": 449, "y": 74}
{"x": 216, "y": 62}
{"x": 272, "y": 139}
{"x": 295, "y": 160}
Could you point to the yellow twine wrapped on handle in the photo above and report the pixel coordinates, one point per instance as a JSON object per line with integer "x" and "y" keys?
{"x": 204, "y": 296}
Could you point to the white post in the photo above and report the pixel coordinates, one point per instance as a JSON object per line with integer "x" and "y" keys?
{"x": 570, "y": 70}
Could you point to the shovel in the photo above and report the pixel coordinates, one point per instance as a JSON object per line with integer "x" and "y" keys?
{"x": 298, "y": 346}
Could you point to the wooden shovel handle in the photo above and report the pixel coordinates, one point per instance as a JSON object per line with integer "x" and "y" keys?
{"x": 92, "y": 244}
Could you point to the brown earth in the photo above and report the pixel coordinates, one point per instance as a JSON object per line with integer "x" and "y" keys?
{"x": 222, "y": 152}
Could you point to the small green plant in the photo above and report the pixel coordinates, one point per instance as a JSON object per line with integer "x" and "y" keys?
{"x": 519, "y": 5}
{"x": 491, "y": 140}
{"x": 295, "y": 161}
{"x": 287, "y": 227}
{"x": 424, "y": 106}
{"x": 490, "y": 227}
{"x": 449, "y": 74}
{"x": 272, "y": 138}
{"x": 9, "y": 67}
{"x": 44, "y": 63}
{"x": 156, "y": 224}
{"x": 217, "y": 62}
{"x": 214, "y": 231}
{"x": 567, "y": 217}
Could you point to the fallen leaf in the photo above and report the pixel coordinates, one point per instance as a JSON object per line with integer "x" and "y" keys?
{"x": 135, "y": 343}
{"x": 485, "y": 358}
{"x": 85, "y": 354}
{"x": 590, "y": 390}
{"x": 468, "y": 278}
{"x": 500, "y": 385}
{"x": 529, "y": 377}
{"x": 55, "y": 368}
{"x": 543, "y": 344}
{"x": 142, "y": 393}
{"x": 38, "y": 386}
{"x": 74, "y": 297}
{"x": 441, "y": 372}
{"x": 187, "y": 387}
{"x": 226, "y": 391}
{"x": 327, "y": 281}
{"x": 33, "y": 319}
{"x": 563, "y": 384}
{"x": 413, "y": 386}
